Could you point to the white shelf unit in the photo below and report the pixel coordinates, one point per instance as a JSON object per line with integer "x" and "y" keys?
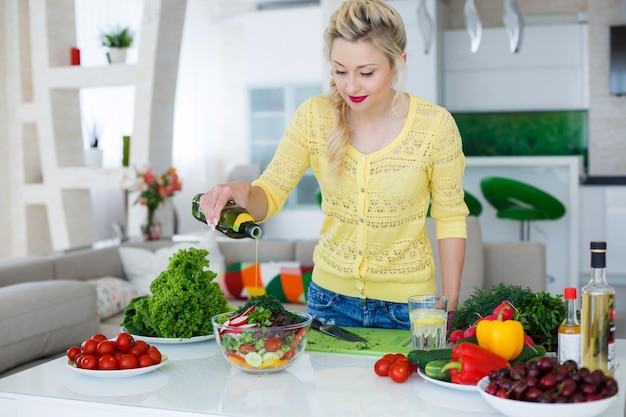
{"x": 51, "y": 206}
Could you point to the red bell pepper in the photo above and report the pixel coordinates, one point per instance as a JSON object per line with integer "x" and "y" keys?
{"x": 470, "y": 363}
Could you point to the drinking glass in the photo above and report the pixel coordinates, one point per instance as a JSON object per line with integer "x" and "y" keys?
{"x": 429, "y": 316}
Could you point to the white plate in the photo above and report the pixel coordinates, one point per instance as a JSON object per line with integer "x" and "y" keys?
{"x": 169, "y": 340}
{"x": 458, "y": 387}
{"x": 120, "y": 373}
{"x": 517, "y": 408}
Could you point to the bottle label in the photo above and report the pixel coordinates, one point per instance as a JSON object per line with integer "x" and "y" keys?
{"x": 611, "y": 342}
{"x": 569, "y": 347}
{"x": 241, "y": 219}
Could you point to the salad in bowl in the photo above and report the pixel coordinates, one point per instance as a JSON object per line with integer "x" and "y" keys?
{"x": 261, "y": 336}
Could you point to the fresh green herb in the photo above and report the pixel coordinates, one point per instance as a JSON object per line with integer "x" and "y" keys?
{"x": 540, "y": 313}
{"x": 269, "y": 311}
{"x": 183, "y": 301}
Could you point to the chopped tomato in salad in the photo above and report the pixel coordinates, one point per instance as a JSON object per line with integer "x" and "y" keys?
{"x": 256, "y": 336}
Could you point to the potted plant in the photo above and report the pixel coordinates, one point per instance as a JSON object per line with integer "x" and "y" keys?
{"x": 118, "y": 41}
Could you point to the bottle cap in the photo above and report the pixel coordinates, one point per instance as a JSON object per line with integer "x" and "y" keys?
{"x": 597, "y": 245}
{"x": 569, "y": 293}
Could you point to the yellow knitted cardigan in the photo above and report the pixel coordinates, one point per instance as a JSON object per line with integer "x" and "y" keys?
{"x": 373, "y": 241}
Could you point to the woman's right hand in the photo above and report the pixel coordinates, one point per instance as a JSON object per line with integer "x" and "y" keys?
{"x": 213, "y": 201}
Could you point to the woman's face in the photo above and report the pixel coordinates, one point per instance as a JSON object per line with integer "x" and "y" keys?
{"x": 362, "y": 74}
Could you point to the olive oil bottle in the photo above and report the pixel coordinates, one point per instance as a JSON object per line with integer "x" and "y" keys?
{"x": 598, "y": 315}
{"x": 234, "y": 221}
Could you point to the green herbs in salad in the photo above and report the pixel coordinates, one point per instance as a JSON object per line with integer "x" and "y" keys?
{"x": 184, "y": 298}
{"x": 261, "y": 334}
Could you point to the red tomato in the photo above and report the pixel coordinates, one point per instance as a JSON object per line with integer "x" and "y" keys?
{"x": 144, "y": 361}
{"x": 136, "y": 350}
{"x": 154, "y": 354}
{"x": 105, "y": 347}
{"x": 381, "y": 367}
{"x": 123, "y": 342}
{"x": 89, "y": 346}
{"x": 99, "y": 337}
{"x": 72, "y": 352}
{"x": 107, "y": 362}
{"x": 399, "y": 371}
{"x": 142, "y": 345}
{"x": 89, "y": 362}
{"x": 127, "y": 361}
{"x": 273, "y": 344}
{"x": 243, "y": 349}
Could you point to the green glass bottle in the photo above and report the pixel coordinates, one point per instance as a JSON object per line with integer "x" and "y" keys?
{"x": 235, "y": 222}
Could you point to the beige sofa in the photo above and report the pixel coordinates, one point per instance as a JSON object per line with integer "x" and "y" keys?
{"x": 46, "y": 305}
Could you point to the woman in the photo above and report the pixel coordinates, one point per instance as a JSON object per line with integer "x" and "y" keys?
{"x": 379, "y": 156}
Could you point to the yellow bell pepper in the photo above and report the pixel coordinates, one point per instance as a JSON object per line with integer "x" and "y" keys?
{"x": 505, "y": 338}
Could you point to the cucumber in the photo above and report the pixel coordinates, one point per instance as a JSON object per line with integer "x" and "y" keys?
{"x": 422, "y": 357}
{"x": 433, "y": 370}
{"x": 413, "y": 356}
{"x": 530, "y": 352}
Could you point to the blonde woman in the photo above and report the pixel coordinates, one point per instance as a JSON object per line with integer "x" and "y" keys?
{"x": 380, "y": 156}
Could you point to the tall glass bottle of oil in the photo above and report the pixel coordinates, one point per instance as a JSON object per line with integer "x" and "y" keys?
{"x": 235, "y": 222}
{"x": 598, "y": 315}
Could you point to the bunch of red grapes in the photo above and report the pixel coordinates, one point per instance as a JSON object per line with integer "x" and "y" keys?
{"x": 546, "y": 381}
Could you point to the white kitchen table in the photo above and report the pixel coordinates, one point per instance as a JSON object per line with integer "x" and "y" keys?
{"x": 198, "y": 381}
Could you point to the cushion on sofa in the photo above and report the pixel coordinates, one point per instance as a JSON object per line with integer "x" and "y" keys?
{"x": 15, "y": 271}
{"x": 42, "y": 318}
{"x": 114, "y": 294}
{"x": 142, "y": 266}
{"x": 286, "y": 280}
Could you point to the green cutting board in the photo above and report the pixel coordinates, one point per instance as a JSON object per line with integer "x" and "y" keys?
{"x": 379, "y": 342}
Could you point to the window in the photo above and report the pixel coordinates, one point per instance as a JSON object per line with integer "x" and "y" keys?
{"x": 271, "y": 110}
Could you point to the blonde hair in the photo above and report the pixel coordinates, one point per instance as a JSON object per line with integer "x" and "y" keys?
{"x": 373, "y": 21}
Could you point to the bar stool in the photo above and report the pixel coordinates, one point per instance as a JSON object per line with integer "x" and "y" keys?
{"x": 516, "y": 200}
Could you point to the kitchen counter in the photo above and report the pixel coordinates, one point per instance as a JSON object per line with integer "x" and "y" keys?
{"x": 198, "y": 381}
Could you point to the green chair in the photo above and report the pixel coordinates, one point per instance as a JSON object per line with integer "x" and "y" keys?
{"x": 515, "y": 200}
{"x": 473, "y": 205}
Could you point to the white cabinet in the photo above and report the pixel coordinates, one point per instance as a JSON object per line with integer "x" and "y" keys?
{"x": 550, "y": 72}
{"x": 50, "y": 202}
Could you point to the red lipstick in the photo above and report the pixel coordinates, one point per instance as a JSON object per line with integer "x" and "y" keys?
{"x": 357, "y": 99}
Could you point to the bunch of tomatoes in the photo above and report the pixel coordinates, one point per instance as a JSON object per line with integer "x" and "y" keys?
{"x": 396, "y": 366}
{"x": 123, "y": 352}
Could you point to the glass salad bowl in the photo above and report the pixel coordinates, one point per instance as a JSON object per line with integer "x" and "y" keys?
{"x": 257, "y": 348}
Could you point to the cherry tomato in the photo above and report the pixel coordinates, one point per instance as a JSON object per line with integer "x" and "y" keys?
{"x": 273, "y": 344}
{"x": 89, "y": 346}
{"x": 99, "y": 337}
{"x": 72, "y": 352}
{"x": 127, "y": 361}
{"x": 243, "y": 349}
{"x": 89, "y": 362}
{"x": 154, "y": 354}
{"x": 144, "y": 361}
{"x": 123, "y": 342}
{"x": 399, "y": 371}
{"x": 107, "y": 363}
{"x": 105, "y": 347}
{"x": 142, "y": 345}
{"x": 381, "y": 367}
{"x": 136, "y": 350}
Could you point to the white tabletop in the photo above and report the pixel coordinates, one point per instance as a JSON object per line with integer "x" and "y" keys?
{"x": 197, "y": 380}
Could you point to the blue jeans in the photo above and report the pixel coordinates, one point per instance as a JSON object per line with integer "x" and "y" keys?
{"x": 332, "y": 308}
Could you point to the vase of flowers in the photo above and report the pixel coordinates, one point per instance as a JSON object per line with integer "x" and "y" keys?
{"x": 153, "y": 191}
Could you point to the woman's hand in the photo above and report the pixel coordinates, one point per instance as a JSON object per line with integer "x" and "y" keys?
{"x": 213, "y": 201}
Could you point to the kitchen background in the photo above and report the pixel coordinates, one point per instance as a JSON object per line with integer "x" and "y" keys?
{"x": 552, "y": 98}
